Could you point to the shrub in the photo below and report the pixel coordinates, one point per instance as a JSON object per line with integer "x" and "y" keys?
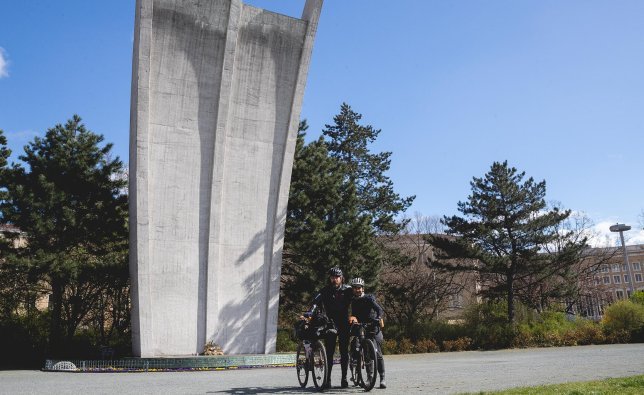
{"x": 638, "y": 297}
{"x": 555, "y": 321}
{"x": 438, "y": 331}
{"x": 554, "y": 339}
{"x": 589, "y": 332}
{"x": 618, "y": 336}
{"x": 392, "y": 331}
{"x": 487, "y": 325}
{"x": 460, "y": 344}
{"x": 285, "y": 340}
{"x": 523, "y": 337}
{"x": 23, "y": 341}
{"x": 554, "y": 328}
{"x": 405, "y": 346}
{"x": 389, "y": 346}
{"x": 426, "y": 345}
{"x": 624, "y": 315}
{"x": 569, "y": 338}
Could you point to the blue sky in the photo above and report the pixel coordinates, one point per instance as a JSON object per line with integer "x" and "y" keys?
{"x": 554, "y": 87}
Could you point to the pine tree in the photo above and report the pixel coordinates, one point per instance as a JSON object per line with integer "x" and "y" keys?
{"x": 340, "y": 202}
{"x": 503, "y": 235}
{"x": 349, "y": 142}
{"x": 4, "y": 162}
{"x": 4, "y": 151}
{"x": 10, "y": 296}
{"x": 68, "y": 199}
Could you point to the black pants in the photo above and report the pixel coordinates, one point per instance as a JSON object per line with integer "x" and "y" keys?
{"x": 330, "y": 342}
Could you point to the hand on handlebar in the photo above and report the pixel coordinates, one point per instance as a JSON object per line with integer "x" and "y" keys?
{"x": 306, "y": 316}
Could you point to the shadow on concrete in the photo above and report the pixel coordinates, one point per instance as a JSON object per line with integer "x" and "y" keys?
{"x": 287, "y": 390}
{"x": 237, "y": 320}
{"x": 247, "y": 314}
{"x": 263, "y": 390}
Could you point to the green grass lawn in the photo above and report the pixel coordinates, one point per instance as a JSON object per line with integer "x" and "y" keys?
{"x": 626, "y": 385}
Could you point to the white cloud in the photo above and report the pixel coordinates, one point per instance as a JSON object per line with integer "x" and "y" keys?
{"x": 599, "y": 234}
{"x": 4, "y": 63}
{"x": 603, "y": 236}
{"x": 637, "y": 237}
{"x": 606, "y": 238}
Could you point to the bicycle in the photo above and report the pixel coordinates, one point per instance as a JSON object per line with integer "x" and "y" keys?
{"x": 311, "y": 352}
{"x": 363, "y": 354}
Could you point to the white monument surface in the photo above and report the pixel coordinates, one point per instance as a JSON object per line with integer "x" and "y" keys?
{"x": 217, "y": 90}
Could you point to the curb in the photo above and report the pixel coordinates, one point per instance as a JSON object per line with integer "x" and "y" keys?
{"x": 175, "y": 364}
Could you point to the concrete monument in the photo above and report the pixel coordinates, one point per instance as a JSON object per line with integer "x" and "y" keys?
{"x": 217, "y": 90}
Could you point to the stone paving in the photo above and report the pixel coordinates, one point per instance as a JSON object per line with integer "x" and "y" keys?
{"x": 441, "y": 373}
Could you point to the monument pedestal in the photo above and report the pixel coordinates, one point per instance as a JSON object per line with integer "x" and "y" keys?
{"x": 219, "y": 362}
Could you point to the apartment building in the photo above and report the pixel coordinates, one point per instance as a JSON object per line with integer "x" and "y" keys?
{"x": 610, "y": 279}
{"x": 604, "y": 278}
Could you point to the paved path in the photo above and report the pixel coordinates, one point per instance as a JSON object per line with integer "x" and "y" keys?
{"x": 442, "y": 373}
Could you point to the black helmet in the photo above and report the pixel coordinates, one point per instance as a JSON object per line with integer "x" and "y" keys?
{"x": 335, "y": 271}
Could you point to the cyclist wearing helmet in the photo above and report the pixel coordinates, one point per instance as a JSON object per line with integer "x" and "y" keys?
{"x": 336, "y": 299}
{"x": 365, "y": 308}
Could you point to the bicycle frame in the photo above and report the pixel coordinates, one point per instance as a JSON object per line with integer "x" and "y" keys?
{"x": 311, "y": 332}
{"x": 362, "y": 336}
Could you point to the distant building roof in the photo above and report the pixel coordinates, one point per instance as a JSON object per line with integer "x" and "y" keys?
{"x": 9, "y": 228}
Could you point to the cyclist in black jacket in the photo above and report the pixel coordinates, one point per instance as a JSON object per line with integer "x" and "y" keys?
{"x": 336, "y": 299}
{"x": 365, "y": 308}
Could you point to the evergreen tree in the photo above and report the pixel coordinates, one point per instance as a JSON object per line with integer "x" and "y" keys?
{"x": 504, "y": 233}
{"x": 68, "y": 200}
{"x": 4, "y": 161}
{"x": 324, "y": 228}
{"x": 340, "y": 201}
{"x": 348, "y": 141}
{"x": 10, "y": 294}
{"x": 4, "y": 152}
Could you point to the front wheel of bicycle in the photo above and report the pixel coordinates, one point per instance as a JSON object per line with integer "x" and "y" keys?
{"x": 320, "y": 365}
{"x": 368, "y": 365}
{"x": 353, "y": 361}
{"x": 302, "y": 365}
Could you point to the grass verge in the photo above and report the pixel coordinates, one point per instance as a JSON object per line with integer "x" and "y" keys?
{"x": 626, "y": 385}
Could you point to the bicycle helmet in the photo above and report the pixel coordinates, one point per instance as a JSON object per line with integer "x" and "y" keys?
{"x": 357, "y": 282}
{"x": 335, "y": 271}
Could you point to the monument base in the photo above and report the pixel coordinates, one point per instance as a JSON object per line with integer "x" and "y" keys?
{"x": 171, "y": 364}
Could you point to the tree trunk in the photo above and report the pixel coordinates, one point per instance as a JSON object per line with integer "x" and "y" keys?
{"x": 510, "y": 282}
{"x": 55, "y": 320}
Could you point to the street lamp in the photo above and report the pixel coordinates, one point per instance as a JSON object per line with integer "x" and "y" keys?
{"x": 621, "y": 228}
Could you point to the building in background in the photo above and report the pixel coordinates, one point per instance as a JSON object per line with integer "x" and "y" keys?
{"x": 602, "y": 278}
{"x": 609, "y": 280}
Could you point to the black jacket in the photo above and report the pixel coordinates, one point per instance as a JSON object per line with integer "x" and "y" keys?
{"x": 366, "y": 308}
{"x": 336, "y": 302}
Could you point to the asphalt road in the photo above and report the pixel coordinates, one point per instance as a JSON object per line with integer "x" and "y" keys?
{"x": 441, "y": 373}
